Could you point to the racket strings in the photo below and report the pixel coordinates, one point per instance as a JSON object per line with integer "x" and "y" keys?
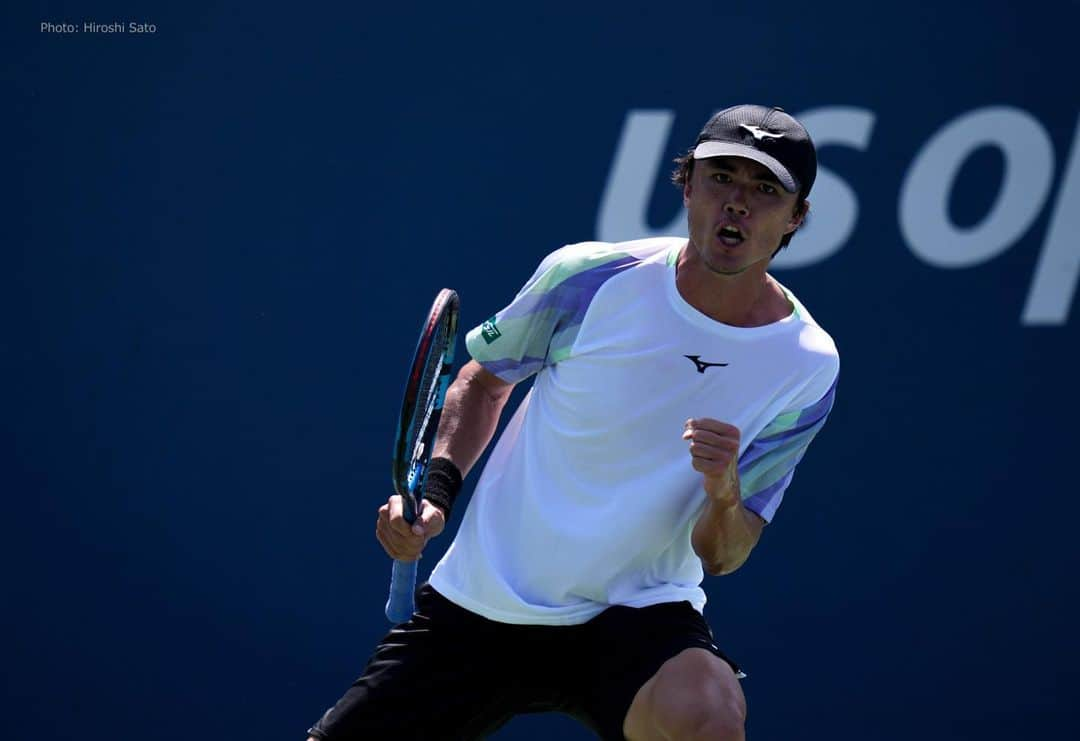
{"x": 428, "y": 394}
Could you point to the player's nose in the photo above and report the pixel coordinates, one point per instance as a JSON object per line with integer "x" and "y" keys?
{"x": 736, "y": 206}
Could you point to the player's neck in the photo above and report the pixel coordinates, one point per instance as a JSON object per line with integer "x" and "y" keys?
{"x": 748, "y": 299}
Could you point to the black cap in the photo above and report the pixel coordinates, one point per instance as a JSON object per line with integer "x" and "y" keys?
{"x": 768, "y": 136}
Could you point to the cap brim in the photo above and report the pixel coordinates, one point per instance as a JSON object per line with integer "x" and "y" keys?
{"x": 709, "y": 149}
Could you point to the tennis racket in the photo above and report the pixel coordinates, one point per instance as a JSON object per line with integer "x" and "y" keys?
{"x": 421, "y": 407}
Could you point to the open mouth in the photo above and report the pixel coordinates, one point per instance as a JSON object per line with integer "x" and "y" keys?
{"x": 731, "y": 235}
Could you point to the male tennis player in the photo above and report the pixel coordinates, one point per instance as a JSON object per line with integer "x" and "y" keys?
{"x": 677, "y": 385}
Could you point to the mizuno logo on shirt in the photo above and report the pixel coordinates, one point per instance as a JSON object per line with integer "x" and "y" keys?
{"x": 701, "y": 364}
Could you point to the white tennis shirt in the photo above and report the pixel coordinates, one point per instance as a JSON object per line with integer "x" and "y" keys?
{"x": 589, "y": 498}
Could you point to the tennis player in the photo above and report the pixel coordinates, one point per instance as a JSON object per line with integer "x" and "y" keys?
{"x": 677, "y": 385}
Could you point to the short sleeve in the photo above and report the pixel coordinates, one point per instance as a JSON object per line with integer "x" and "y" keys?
{"x": 767, "y": 466}
{"x": 539, "y": 327}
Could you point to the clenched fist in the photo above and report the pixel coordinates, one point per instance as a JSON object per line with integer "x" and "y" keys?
{"x": 402, "y": 541}
{"x": 714, "y": 451}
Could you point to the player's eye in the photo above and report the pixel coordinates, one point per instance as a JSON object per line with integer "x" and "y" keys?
{"x": 722, "y": 177}
{"x": 766, "y": 188}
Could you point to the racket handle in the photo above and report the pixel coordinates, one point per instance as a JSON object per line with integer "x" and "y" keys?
{"x": 399, "y": 607}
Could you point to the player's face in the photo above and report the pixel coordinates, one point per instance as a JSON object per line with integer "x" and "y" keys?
{"x": 738, "y": 213}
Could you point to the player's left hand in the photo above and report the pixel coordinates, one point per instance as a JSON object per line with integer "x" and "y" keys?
{"x": 714, "y": 451}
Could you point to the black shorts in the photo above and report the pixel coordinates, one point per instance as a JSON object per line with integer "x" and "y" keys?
{"x": 448, "y": 673}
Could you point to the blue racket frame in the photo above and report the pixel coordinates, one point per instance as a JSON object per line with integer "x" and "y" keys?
{"x": 413, "y": 444}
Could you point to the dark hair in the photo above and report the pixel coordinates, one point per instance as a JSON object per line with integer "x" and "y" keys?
{"x": 684, "y": 170}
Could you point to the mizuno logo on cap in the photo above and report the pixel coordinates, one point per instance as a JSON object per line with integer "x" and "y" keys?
{"x": 759, "y": 133}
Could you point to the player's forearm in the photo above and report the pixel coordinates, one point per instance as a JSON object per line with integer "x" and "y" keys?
{"x": 470, "y": 416}
{"x": 724, "y": 535}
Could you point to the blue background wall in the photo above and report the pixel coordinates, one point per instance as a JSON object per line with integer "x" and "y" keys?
{"x": 220, "y": 238}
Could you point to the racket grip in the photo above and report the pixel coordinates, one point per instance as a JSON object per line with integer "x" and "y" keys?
{"x": 400, "y": 606}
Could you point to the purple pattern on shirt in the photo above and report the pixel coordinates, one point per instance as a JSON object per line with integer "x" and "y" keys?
{"x": 571, "y": 297}
{"x": 511, "y": 369}
{"x": 760, "y": 502}
{"x": 819, "y": 409}
{"x": 810, "y": 418}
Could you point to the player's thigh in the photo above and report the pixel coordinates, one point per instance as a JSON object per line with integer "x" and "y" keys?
{"x": 434, "y": 676}
{"x": 623, "y": 649}
{"x": 693, "y": 695}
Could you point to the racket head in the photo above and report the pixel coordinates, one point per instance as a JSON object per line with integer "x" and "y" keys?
{"x": 422, "y": 400}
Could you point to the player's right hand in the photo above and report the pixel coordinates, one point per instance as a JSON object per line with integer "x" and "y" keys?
{"x": 402, "y": 541}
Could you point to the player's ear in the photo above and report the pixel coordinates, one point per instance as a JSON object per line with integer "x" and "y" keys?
{"x": 798, "y": 216}
{"x": 687, "y": 188}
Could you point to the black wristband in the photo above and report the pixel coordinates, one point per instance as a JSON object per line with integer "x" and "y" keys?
{"x": 442, "y": 484}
